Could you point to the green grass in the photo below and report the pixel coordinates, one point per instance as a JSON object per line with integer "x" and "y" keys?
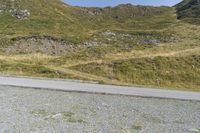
{"x": 137, "y": 127}
{"x": 32, "y": 70}
{"x": 57, "y": 19}
{"x": 171, "y": 72}
{"x": 189, "y": 11}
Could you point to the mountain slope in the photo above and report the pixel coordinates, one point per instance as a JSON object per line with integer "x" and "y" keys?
{"x": 46, "y": 18}
{"x": 188, "y": 9}
{"x": 123, "y": 45}
{"x": 58, "y": 19}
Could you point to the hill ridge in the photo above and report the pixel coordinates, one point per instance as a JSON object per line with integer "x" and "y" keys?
{"x": 188, "y": 9}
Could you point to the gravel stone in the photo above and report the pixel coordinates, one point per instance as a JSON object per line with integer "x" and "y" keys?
{"x": 35, "y": 111}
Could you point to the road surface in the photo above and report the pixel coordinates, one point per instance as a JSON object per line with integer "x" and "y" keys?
{"x": 74, "y": 86}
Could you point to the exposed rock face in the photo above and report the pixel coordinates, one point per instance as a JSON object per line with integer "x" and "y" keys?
{"x": 60, "y": 47}
{"x": 36, "y": 44}
{"x": 93, "y": 11}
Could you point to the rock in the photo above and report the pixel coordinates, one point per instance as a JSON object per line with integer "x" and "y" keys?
{"x": 194, "y": 130}
{"x": 20, "y": 14}
{"x": 105, "y": 105}
{"x": 93, "y": 11}
{"x": 98, "y": 108}
{"x": 14, "y": 8}
{"x": 108, "y": 33}
{"x": 153, "y": 41}
{"x": 40, "y": 44}
{"x": 57, "y": 115}
{"x": 90, "y": 43}
{"x": 2, "y": 8}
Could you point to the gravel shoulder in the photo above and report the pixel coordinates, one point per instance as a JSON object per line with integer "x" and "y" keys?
{"x": 42, "y": 111}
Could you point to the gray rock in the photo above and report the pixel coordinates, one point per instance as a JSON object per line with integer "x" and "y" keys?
{"x": 20, "y": 14}
{"x": 2, "y": 8}
{"x": 14, "y": 8}
{"x": 108, "y": 33}
{"x": 194, "y": 130}
{"x": 150, "y": 41}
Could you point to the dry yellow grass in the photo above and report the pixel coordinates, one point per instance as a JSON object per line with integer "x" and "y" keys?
{"x": 27, "y": 57}
{"x": 137, "y": 54}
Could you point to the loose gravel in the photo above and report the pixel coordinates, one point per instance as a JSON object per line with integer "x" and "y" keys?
{"x": 27, "y": 110}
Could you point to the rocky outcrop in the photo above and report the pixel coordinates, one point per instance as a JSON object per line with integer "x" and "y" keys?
{"x": 93, "y": 11}
{"x": 47, "y": 45}
{"x": 40, "y": 44}
{"x": 2, "y": 8}
{"x": 13, "y": 7}
{"x": 150, "y": 41}
{"x": 20, "y": 14}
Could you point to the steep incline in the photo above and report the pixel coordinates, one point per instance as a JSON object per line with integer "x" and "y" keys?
{"x": 188, "y": 9}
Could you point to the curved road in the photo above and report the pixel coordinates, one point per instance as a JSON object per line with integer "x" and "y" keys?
{"x": 67, "y": 85}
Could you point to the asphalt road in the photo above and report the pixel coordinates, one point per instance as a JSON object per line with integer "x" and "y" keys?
{"x": 74, "y": 86}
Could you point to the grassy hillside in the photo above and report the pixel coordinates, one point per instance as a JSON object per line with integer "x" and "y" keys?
{"x": 155, "y": 71}
{"x": 122, "y": 45}
{"x": 189, "y": 11}
{"x": 57, "y": 19}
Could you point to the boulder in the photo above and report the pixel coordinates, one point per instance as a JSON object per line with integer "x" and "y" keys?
{"x": 20, "y": 14}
